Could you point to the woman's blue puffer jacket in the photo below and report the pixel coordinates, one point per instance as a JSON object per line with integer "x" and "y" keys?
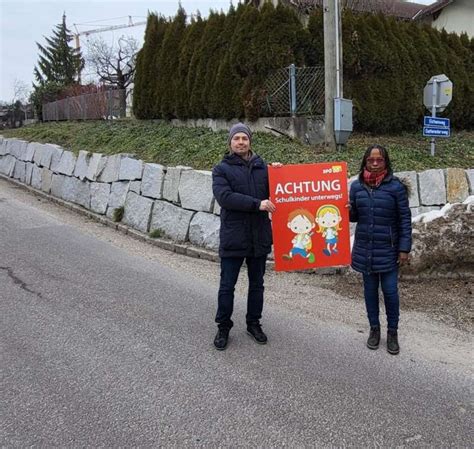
{"x": 383, "y": 224}
{"x": 239, "y": 186}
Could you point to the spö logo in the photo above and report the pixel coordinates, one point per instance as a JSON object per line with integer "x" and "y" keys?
{"x": 336, "y": 168}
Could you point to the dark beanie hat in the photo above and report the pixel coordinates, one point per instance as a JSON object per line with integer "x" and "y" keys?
{"x": 239, "y": 128}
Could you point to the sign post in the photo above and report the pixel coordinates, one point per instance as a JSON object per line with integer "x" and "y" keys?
{"x": 437, "y": 94}
{"x": 433, "y": 113}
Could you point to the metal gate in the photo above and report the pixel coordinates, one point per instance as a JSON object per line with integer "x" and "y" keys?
{"x": 295, "y": 91}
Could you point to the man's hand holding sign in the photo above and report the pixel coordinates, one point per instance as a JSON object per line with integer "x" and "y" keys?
{"x": 311, "y": 221}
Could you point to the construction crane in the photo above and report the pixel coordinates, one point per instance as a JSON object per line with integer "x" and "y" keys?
{"x": 100, "y": 30}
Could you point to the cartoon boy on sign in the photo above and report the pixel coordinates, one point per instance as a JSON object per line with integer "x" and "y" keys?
{"x": 329, "y": 218}
{"x": 301, "y": 222}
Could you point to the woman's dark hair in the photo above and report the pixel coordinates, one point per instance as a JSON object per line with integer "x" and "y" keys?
{"x": 384, "y": 154}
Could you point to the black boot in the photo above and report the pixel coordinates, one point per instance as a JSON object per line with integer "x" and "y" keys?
{"x": 221, "y": 339}
{"x": 374, "y": 337}
{"x": 392, "y": 341}
{"x": 255, "y": 331}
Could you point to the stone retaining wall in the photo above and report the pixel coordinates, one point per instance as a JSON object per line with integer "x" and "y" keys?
{"x": 177, "y": 201}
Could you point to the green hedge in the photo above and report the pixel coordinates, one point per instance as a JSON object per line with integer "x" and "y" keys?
{"x": 217, "y": 67}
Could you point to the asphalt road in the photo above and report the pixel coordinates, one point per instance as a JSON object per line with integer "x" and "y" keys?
{"x": 104, "y": 346}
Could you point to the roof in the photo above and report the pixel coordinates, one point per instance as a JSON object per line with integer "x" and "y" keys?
{"x": 433, "y": 9}
{"x": 396, "y": 8}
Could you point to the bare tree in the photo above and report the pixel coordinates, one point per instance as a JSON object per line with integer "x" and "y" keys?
{"x": 114, "y": 64}
{"x": 21, "y": 94}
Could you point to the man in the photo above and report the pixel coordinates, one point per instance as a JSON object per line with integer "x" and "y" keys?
{"x": 240, "y": 186}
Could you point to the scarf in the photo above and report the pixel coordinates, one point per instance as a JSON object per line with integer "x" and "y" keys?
{"x": 373, "y": 179}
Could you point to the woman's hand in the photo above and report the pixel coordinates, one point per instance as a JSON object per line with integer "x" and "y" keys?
{"x": 267, "y": 205}
{"x": 403, "y": 259}
{"x": 348, "y": 206}
{"x": 276, "y": 164}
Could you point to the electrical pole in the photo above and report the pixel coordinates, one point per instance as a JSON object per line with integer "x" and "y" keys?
{"x": 332, "y": 65}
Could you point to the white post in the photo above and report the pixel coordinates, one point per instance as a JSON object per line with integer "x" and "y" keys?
{"x": 433, "y": 113}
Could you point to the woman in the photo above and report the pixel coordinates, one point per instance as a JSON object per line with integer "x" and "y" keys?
{"x": 379, "y": 205}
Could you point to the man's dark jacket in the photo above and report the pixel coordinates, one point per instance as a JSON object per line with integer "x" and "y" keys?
{"x": 239, "y": 186}
{"x": 383, "y": 224}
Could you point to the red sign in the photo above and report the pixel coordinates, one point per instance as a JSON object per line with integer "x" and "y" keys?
{"x": 311, "y": 221}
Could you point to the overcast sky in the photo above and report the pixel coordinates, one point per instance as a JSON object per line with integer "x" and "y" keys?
{"x": 23, "y": 23}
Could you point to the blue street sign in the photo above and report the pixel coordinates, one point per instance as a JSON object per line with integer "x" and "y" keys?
{"x": 429, "y": 131}
{"x": 436, "y": 121}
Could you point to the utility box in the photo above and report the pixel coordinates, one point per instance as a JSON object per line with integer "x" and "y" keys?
{"x": 342, "y": 120}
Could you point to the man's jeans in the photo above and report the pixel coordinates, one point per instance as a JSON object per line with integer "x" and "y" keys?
{"x": 389, "y": 282}
{"x": 230, "y": 268}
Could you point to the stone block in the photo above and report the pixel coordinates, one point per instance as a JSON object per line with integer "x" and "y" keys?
{"x": 457, "y": 186}
{"x": 217, "y": 208}
{"x": 36, "y": 177}
{"x": 17, "y": 148}
{"x": 100, "y": 193}
{"x": 204, "y": 230}
{"x": 29, "y": 172}
{"x": 38, "y": 152}
{"x": 152, "y": 181}
{"x": 82, "y": 193}
{"x": 67, "y": 163}
{"x": 56, "y": 185}
{"x": 82, "y": 165}
{"x": 171, "y": 183}
{"x": 69, "y": 188}
{"x": 470, "y": 180}
{"x": 47, "y": 155}
{"x": 172, "y": 220}
{"x": 7, "y": 165}
{"x": 137, "y": 212}
{"x": 111, "y": 170}
{"x": 118, "y": 194}
{"x": 432, "y": 187}
{"x": 135, "y": 186}
{"x": 46, "y": 179}
{"x": 195, "y": 190}
{"x": 409, "y": 178}
{"x": 3, "y": 147}
{"x": 29, "y": 152}
{"x": 96, "y": 166}
{"x": 130, "y": 169}
{"x": 56, "y": 153}
{"x": 19, "y": 172}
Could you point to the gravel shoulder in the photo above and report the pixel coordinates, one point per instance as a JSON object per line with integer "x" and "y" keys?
{"x": 437, "y": 314}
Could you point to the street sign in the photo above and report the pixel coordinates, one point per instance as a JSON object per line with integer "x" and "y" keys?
{"x": 436, "y": 121}
{"x": 430, "y": 131}
{"x": 438, "y": 92}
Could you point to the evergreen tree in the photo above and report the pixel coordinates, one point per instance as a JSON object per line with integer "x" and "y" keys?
{"x": 216, "y": 52}
{"x": 188, "y": 46}
{"x": 58, "y": 62}
{"x": 168, "y": 63}
{"x": 144, "y": 95}
{"x": 199, "y": 64}
{"x": 224, "y": 98}
{"x": 315, "y": 53}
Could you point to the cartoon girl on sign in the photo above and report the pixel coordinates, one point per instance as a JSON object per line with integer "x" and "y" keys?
{"x": 301, "y": 222}
{"x": 329, "y": 218}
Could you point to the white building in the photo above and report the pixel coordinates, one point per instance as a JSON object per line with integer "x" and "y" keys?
{"x": 453, "y": 15}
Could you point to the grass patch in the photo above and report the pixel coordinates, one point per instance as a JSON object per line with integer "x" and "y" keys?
{"x": 202, "y": 148}
{"x": 156, "y": 233}
{"x": 117, "y": 214}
